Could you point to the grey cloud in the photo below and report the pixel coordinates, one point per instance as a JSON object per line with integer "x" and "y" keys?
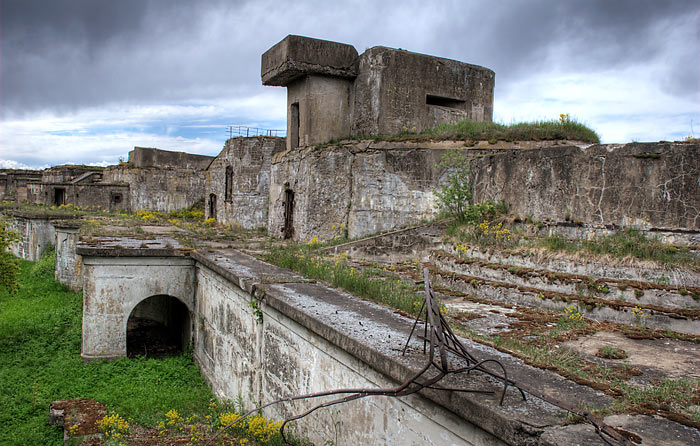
{"x": 76, "y": 53}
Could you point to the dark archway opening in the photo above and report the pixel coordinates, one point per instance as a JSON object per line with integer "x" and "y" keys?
{"x": 159, "y": 326}
{"x": 288, "y": 229}
{"x": 212, "y": 206}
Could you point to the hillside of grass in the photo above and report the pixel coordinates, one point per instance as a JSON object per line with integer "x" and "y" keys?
{"x": 40, "y": 331}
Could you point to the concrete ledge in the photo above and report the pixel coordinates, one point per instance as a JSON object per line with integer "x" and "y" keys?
{"x": 296, "y": 56}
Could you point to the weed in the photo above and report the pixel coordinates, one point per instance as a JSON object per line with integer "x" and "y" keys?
{"x": 609, "y": 352}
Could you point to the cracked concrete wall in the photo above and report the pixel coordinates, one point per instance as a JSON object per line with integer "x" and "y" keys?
{"x": 273, "y": 356}
{"x": 644, "y": 184}
{"x": 249, "y": 160}
{"x": 367, "y": 187}
{"x": 377, "y": 186}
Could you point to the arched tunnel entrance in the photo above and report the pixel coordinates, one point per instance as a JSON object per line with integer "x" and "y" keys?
{"x": 158, "y": 326}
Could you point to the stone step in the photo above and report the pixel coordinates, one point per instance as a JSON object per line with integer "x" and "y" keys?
{"x": 593, "y": 306}
{"x": 624, "y": 290}
{"x": 584, "y": 266}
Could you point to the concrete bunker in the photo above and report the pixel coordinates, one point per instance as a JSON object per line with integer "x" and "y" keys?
{"x": 334, "y": 93}
{"x": 158, "y": 326}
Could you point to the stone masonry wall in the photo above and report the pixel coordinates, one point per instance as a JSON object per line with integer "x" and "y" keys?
{"x": 249, "y": 160}
{"x": 377, "y": 186}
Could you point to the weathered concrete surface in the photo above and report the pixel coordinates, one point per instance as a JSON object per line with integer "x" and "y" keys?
{"x": 165, "y": 159}
{"x": 367, "y": 187}
{"x": 69, "y": 265}
{"x": 241, "y": 353}
{"x": 644, "y": 184}
{"x": 333, "y": 93}
{"x": 298, "y": 56}
{"x": 648, "y": 430}
{"x": 109, "y": 196}
{"x": 243, "y": 166}
{"x": 158, "y": 189}
{"x": 116, "y": 279}
{"x": 379, "y": 186}
{"x": 396, "y": 90}
{"x": 36, "y": 232}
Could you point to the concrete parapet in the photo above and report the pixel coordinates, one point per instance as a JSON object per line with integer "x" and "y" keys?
{"x": 297, "y": 56}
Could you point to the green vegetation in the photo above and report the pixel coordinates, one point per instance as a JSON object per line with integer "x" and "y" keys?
{"x": 454, "y": 198}
{"x": 8, "y": 263}
{"x": 366, "y": 283}
{"x": 625, "y": 243}
{"x": 565, "y": 128}
{"x": 40, "y": 328}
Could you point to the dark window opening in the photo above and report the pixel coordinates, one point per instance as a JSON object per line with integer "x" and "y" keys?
{"x": 158, "y": 327}
{"x": 59, "y": 196}
{"x": 444, "y": 102}
{"x": 212, "y": 206}
{"x": 294, "y": 127}
{"x": 116, "y": 198}
{"x": 288, "y": 229}
{"x": 228, "y": 188}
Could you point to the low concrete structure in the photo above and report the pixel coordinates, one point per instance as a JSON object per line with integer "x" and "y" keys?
{"x": 238, "y": 181}
{"x": 13, "y": 183}
{"x": 332, "y": 93}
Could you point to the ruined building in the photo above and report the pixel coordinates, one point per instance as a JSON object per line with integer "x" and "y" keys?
{"x": 152, "y": 179}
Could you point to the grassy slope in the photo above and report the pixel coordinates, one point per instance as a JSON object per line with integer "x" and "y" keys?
{"x": 40, "y": 329}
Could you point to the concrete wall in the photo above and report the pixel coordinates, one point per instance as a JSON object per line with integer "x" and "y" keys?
{"x": 37, "y": 234}
{"x": 249, "y": 162}
{"x": 366, "y": 187}
{"x": 108, "y": 196}
{"x": 324, "y": 109}
{"x": 274, "y": 356}
{"x": 69, "y": 265}
{"x": 165, "y": 159}
{"x": 645, "y": 184}
{"x": 397, "y": 90}
{"x": 159, "y": 189}
{"x": 114, "y": 285}
{"x": 379, "y": 186}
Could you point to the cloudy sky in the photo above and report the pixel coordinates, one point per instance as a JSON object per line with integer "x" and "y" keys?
{"x": 83, "y": 81}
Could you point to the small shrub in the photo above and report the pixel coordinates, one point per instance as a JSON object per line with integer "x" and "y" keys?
{"x": 608, "y": 352}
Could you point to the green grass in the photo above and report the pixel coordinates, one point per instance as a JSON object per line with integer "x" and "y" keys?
{"x": 364, "y": 283}
{"x": 492, "y": 132}
{"x": 524, "y": 131}
{"x": 40, "y": 330}
{"x": 626, "y": 243}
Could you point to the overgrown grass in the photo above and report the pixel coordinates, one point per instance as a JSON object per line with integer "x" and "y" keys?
{"x": 365, "y": 283}
{"x": 524, "y": 131}
{"x": 40, "y": 329}
{"x": 626, "y": 243}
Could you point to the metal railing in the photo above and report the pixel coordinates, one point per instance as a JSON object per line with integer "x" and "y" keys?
{"x": 240, "y": 130}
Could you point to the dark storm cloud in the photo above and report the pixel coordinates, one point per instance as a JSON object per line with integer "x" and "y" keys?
{"x": 528, "y": 36}
{"x": 74, "y": 53}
